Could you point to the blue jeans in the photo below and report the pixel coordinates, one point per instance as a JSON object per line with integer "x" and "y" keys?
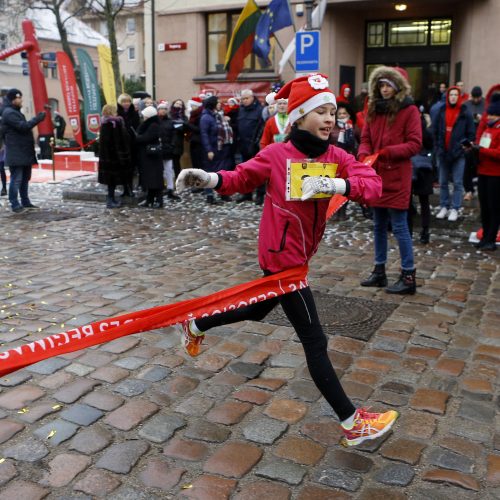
{"x": 19, "y": 179}
{"x": 399, "y": 222}
{"x": 451, "y": 171}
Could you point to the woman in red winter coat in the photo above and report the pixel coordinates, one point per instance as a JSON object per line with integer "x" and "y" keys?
{"x": 392, "y": 130}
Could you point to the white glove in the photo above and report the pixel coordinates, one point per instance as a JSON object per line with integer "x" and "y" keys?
{"x": 315, "y": 185}
{"x": 196, "y": 178}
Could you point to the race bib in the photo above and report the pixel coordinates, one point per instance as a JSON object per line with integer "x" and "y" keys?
{"x": 298, "y": 170}
{"x": 485, "y": 141}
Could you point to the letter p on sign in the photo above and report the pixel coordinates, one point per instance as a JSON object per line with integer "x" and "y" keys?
{"x": 307, "y": 45}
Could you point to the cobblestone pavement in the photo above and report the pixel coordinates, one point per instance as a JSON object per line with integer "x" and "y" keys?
{"x": 137, "y": 419}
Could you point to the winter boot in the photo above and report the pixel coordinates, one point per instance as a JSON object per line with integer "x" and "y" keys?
{"x": 172, "y": 196}
{"x": 406, "y": 284}
{"x": 377, "y": 277}
{"x": 111, "y": 203}
{"x": 424, "y": 236}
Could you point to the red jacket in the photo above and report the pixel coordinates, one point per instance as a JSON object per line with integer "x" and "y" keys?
{"x": 270, "y": 130}
{"x": 290, "y": 231}
{"x": 484, "y": 119}
{"x": 401, "y": 140}
{"x": 489, "y": 158}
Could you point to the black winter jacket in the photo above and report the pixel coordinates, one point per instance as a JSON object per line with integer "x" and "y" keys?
{"x": 463, "y": 129}
{"x": 18, "y": 137}
{"x": 249, "y": 123}
{"x": 115, "y": 163}
{"x": 150, "y": 166}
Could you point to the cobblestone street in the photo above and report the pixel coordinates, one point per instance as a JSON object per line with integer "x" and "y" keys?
{"x": 138, "y": 419}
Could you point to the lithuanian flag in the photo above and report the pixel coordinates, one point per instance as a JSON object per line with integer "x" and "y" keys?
{"x": 241, "y": 42}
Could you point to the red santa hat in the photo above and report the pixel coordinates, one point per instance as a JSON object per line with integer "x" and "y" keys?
{"x": 194, "y": 102}
{"x": 304, "y": 94}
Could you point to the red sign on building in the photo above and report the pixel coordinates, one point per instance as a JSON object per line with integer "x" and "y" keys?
{"x": 172, "y": 46}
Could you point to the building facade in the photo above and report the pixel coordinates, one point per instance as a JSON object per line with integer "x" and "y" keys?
{"x": 435, "y": 41}
{"x": 13, "y": 71}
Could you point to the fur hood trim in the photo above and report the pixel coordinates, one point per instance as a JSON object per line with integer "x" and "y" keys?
{"x": 392, "y": 74}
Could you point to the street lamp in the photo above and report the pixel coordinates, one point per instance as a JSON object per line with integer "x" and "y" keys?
{"x": 309, "y": 5}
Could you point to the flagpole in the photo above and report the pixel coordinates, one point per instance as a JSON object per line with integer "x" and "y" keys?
{"x": 291, "y": 15}
{"x": 283, "y": 50}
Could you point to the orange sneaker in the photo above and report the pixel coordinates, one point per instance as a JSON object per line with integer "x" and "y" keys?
{"x": 368, "y": 426}
{"x": 190, "y": 341}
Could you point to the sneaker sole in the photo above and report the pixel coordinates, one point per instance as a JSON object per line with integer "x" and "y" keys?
{"x": 354, "y": 442}
{"x": 185, "y": 341}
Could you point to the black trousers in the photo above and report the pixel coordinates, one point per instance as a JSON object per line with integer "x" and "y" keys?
{"x": 300, "y": 309}
{"x": 488, "y": 188}
{"x": 425, "y": 212}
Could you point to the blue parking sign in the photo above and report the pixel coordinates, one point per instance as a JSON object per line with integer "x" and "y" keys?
{"x": 306, "y": 51}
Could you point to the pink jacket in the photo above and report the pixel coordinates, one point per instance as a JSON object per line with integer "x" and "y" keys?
{"x": 290, "y": 231}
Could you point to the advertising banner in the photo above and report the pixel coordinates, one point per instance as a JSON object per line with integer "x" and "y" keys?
{"x": 91, "y": 97}
{"x": 70, "y": 93}
{"x": 107, "y": 74}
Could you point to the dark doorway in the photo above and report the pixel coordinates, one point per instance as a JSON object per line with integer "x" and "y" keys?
{"x": 347, "y": 74}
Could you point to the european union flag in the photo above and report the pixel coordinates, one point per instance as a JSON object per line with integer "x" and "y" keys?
{"x": 276, "y": 17}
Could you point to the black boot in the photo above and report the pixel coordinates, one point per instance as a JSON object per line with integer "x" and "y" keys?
{"x": 172, "y": 196}
{"x": 406, "y": 284}
{"x": 377, "y": 277}
{"x": 111, "y": 202}
{"x": 424, "y": 236}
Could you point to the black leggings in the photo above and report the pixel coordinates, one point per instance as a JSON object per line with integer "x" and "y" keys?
{"x": 488, "y": 187}
{"x": 3, "y": 176}
{"x": 300, "y": 309}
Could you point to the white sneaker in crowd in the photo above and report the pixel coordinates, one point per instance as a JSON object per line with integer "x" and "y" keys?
{"x": 453, "y": 215}
{"x": 442, "y": 213}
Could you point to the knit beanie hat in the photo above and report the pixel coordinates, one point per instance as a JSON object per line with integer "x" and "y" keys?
{"x": 304, "y": 94}
{"x": 476, "y": 91}
{"x": 494, "y": 107}
{"x": 12, "y": 94}
{"x": 149, "y": 112}
{"x": 210, "y": 102}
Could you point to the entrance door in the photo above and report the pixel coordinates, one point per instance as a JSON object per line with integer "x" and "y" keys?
{"x": 347, "y": 74}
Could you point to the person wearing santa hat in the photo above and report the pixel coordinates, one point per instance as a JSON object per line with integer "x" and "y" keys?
{"x": 292, "y": 225}
{"x": 195, "y": 107}
{"x": 276, "y": 126}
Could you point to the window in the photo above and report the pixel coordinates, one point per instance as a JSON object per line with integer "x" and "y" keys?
{"x": 53, "y": 71}
{"x": 3, "y": 41}
{"x": 375, "y": 35}
{"x": 131, "y": 53}
{"x": 219, "y": 29}
{"x": 408, "y": 33}
{"x": 440, "y": 32}
{"x": 131, "y": 25}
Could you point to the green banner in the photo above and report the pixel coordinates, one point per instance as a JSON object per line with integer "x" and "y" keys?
{"x": 91, "y": 96}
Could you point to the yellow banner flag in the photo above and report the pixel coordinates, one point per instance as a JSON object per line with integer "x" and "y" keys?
{"x": 107, "y": 75}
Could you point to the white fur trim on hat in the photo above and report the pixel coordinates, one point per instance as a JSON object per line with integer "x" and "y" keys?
{"x": 149, "y": 112}
{"x": 270, "y": 98}
{"x": 194, "y": 104}
{"x": 314, "y": 102}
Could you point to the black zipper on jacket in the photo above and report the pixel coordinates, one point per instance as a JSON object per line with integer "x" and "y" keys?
{"x": 283, "y": 239}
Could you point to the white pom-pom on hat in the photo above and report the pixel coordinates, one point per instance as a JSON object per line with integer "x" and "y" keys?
{"x": 270, "y": 98}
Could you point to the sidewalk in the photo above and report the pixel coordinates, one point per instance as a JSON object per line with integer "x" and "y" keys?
{"x": 138, "y": 419}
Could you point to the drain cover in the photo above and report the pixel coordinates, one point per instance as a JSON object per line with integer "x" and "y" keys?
{"x": 348, "y": 316}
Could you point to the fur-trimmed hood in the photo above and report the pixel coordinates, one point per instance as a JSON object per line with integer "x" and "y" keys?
{"x": 396, "y": 75}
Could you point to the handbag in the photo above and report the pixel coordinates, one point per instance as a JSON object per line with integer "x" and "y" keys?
{"x": 154, "y": 150}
